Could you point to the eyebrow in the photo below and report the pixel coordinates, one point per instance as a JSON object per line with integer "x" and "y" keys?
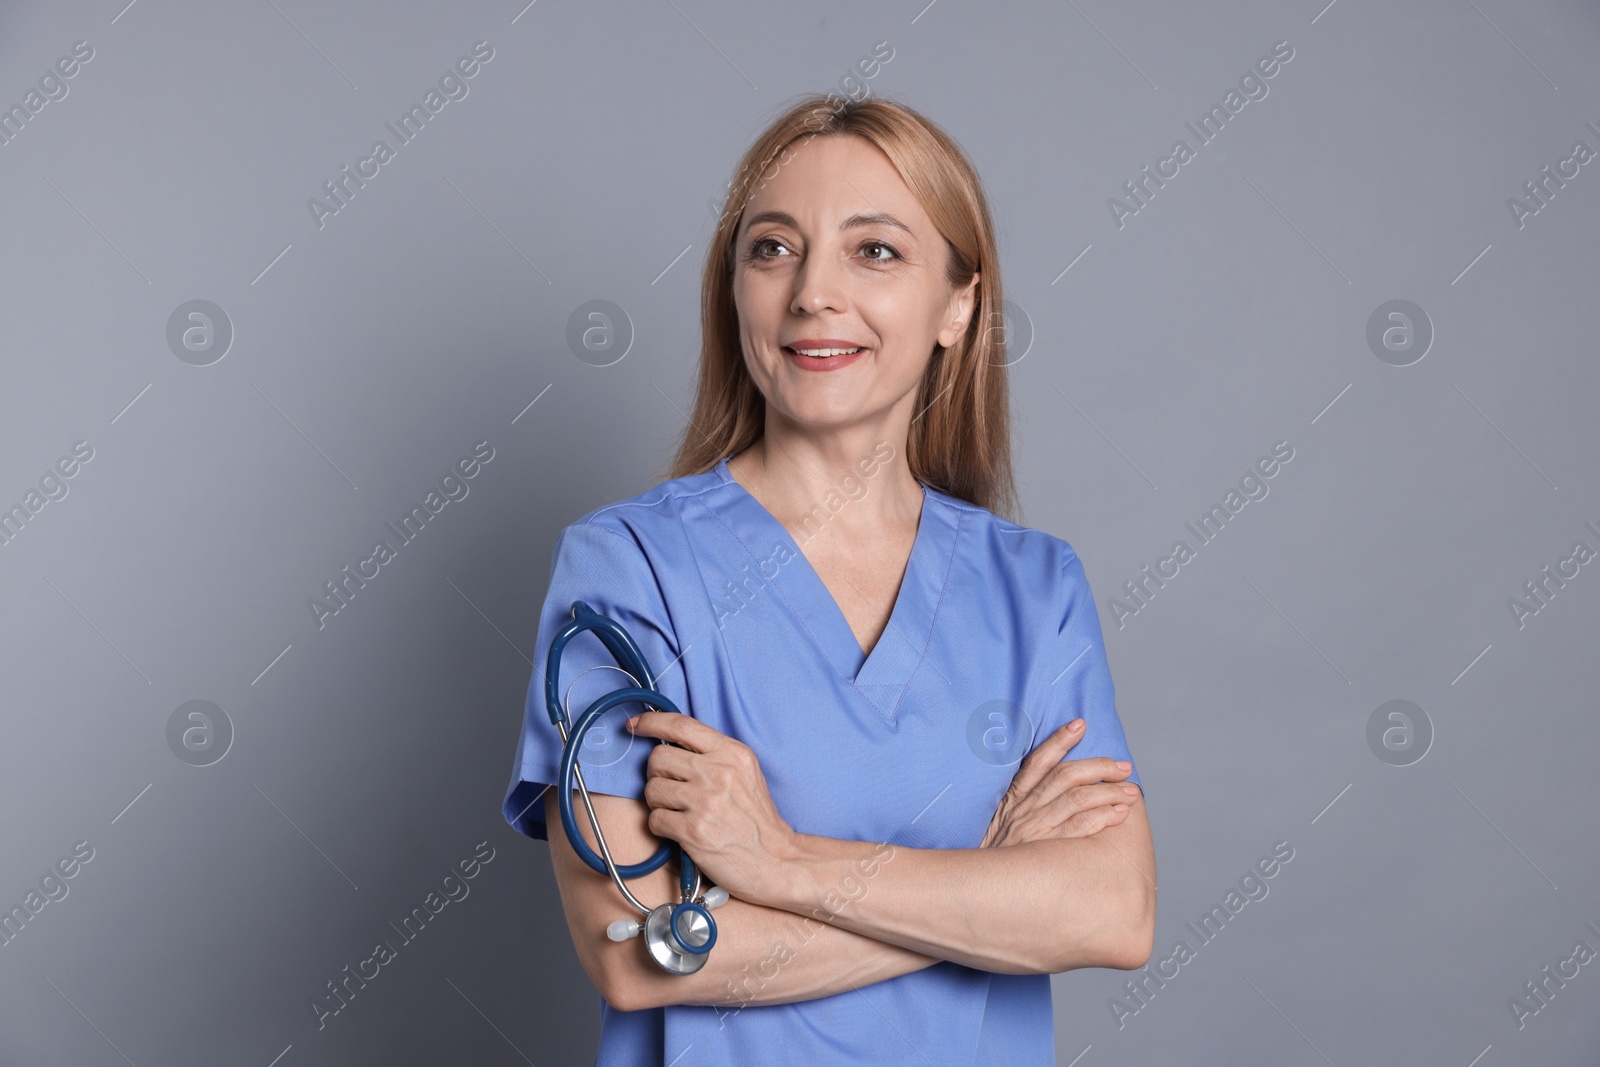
{"x": 868, "y": 219}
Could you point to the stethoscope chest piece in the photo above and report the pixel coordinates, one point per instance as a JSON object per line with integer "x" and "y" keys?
{"x": 679, "y": 936}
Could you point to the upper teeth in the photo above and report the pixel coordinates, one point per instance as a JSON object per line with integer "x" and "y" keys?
{"x": 825, "y": 352}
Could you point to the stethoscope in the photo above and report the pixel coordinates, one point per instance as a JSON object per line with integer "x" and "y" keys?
{"x": 678, "y": 936}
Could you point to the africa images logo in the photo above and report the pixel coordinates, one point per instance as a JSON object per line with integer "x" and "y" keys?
{"x": 453, "y": 486}
{"x": 452, "y": 86}
{"x": 453, "y": 888}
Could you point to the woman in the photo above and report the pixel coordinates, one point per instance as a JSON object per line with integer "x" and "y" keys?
{"x": 866, "y": 649}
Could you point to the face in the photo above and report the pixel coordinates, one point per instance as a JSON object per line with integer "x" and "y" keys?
{"x": 835, "y": 252}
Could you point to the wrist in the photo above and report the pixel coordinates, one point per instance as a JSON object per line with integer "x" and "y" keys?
{"x": 790, "y": 881}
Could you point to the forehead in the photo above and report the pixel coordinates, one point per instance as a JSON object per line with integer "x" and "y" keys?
{"x": 827, "y": 178}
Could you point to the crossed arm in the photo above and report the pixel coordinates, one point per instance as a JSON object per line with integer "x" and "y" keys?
{"x": 812, "y": 916}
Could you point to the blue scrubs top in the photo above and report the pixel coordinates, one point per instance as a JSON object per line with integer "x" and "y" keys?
{"x": 994, "y": 641}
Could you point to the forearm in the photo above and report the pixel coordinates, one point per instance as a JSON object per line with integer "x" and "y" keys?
{"x": 763, "y": 955}
{"x": 769, "y": 956}
{"x": 1034, "y": 908}
{"x": 1040, "y": 907}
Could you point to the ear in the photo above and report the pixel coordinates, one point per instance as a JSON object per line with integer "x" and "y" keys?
{"x": 962, "y": 302}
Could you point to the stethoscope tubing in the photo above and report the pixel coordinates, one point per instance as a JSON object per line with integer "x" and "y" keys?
{"x": 627, "y": 654}
{"x": 569, "y": 766}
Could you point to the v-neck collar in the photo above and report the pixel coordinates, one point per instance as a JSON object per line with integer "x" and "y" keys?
{"x": 883, "y": 673}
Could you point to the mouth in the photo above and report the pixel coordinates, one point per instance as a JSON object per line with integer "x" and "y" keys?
{"x": 823, "y": 358}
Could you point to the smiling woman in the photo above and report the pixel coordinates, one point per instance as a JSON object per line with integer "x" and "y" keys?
{"x": 827, "y": 731}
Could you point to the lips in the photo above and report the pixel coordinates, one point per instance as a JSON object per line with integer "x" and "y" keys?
{"x": 844, "y": 355}
{"x": 822, "y": 351}
{"x": 822, "y": 342}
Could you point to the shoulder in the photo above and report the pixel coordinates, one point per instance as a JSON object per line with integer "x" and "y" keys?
{"x": 648, "y": 517}
{"x": 631, "y": 547}
{"x": 1033, "y": 557}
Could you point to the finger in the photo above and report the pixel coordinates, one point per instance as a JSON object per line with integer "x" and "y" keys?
{"x": 1093, "y": 821}
{"x": 1047, "y": 755}
{"x": 1094, "y": 803}
{"x": 1065, "y": 776}
{"x": 1102, "y": 795}
{"x": 1061, "y": 796}
{"x": 1080, "y": 799}
{"x": 1083, "y": 824}
{"x": 682, "y": 730}
{"x": 665, "y": 822}
{"x": 670, "y": 761}
{"x": 1069, "y": 774}
{"x": 668, "y": 793}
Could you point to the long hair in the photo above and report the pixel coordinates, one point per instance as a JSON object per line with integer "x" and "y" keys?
{"x": 960, "y": 436}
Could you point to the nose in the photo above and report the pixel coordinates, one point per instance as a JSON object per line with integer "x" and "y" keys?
{"x": 820, "y": 284}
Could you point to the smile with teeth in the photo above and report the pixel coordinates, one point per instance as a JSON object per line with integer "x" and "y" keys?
{"x": 823, "y": 353}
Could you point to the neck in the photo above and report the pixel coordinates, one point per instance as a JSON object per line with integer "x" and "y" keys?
{"x": 861, "y": 480}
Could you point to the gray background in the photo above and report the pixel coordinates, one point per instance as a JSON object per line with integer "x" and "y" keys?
{"x": 586, "y": 162}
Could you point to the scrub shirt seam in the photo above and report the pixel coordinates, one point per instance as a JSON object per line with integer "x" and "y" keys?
{"x": 799, "y": 616}
{"x": 664, "y": 498}
{"x": 933, "y": 618}
{"x": 668, "y": 624}
{"x": 1040, "y": 667}
{"x": 1066, "y": 565}
{"x": 983, "y": 1016}
{"x": 668, "y": 627}
{"x": 632, "y": 538}
{"x": 1042, "y": 663}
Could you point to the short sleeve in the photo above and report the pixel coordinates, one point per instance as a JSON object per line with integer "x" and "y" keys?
{"x": 608, "y": 570}
{"x": 1079, "y": 680}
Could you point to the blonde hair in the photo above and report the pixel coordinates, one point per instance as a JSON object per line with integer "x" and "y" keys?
{"x": 960, "y": 440}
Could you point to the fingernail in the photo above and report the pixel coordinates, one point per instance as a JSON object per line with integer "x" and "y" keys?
{"x": 632, "y": 722}
{"x": 1124, "y": 764}
{"x": 1130, "y": 789}
{"x": 1075, "y": 724}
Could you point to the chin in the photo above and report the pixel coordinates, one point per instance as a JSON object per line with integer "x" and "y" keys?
{"x": 820, "y": 417}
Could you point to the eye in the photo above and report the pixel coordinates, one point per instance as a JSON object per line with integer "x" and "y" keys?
{"x": 886, "y": 248}
{"x": 757, "y": 247}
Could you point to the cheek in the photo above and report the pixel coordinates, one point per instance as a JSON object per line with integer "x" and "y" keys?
{"x": 901, "y": 316}
{"x": 908, "y": 371}
{"x": 753, "y": 345}
{"x": 908, "y": 338}
{"x": 760, "y": 307}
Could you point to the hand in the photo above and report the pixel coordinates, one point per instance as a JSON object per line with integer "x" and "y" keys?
{"x": 1052, "y": 798}
{"x": 706, "y": 792}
